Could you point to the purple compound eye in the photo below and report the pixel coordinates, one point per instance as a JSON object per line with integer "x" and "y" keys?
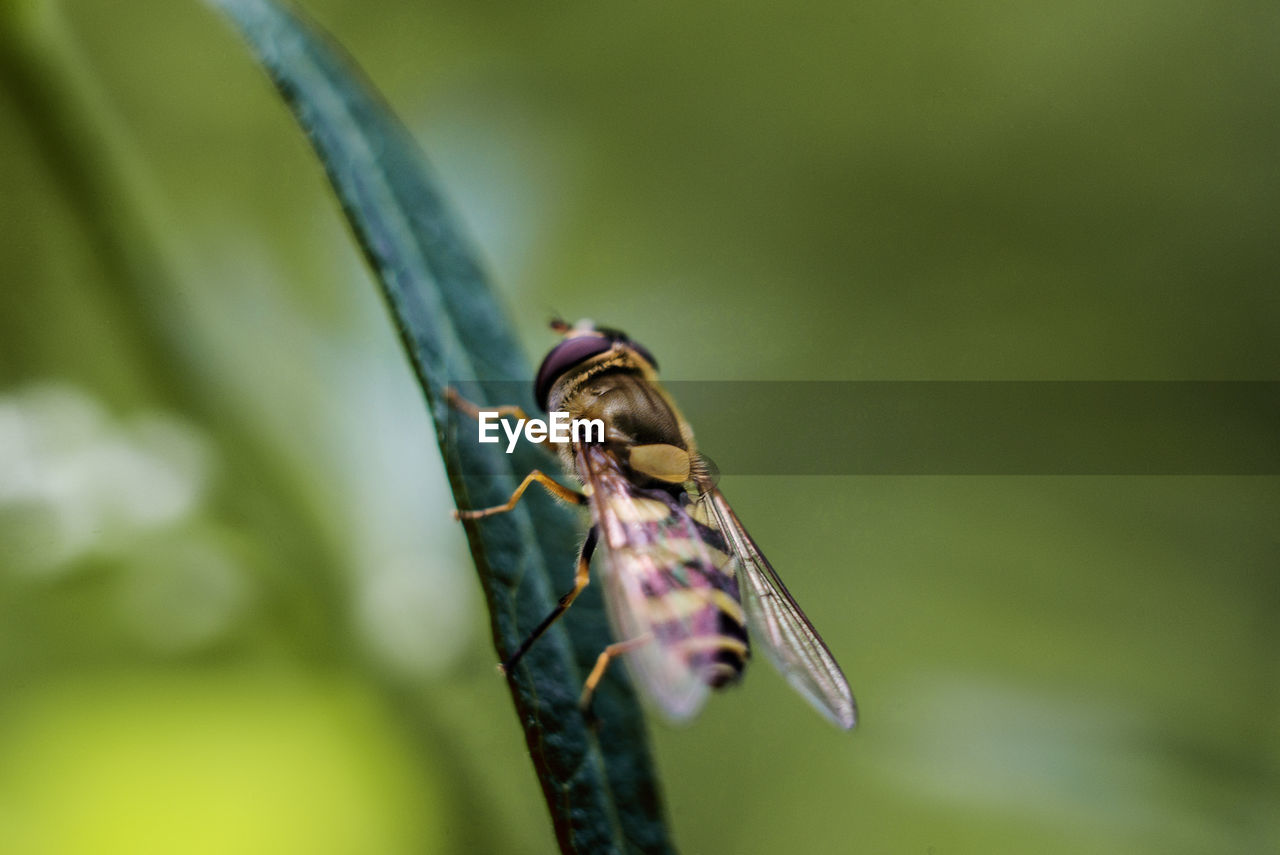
{"x": 563, "y": 356}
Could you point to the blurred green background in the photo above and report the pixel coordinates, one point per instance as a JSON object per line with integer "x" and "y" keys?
{"x": 234, "y": 614}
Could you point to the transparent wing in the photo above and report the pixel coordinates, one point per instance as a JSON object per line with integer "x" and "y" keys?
{"x": 643, "y": 541}
{"x": 662, "y": 675}
{"x": 778, "y": 625}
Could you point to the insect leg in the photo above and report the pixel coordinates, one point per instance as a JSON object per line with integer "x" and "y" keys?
{"x": 580, "y": 579}
{"x": 554, "y": 487}
{"x": 466, "y": 407}
{"x": 602, "y": 662}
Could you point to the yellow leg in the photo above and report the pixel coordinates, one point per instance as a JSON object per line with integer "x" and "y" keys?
{"x": 466, "y": 407}
{"x": 554, "y": 487}
{"x": 602, "y": 662}
{"x": 580, "y": 579}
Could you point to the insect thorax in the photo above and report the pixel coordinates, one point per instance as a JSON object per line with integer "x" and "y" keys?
{"x": 634, "y": 408}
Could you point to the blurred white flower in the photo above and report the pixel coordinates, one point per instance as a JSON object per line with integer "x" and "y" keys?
{"x": 88, "y": 483}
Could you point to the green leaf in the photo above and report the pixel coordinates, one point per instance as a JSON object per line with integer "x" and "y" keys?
{"x": 599, "y": 786}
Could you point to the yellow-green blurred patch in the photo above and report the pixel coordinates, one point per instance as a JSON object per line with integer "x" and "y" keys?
{"x": 230, "y": 763}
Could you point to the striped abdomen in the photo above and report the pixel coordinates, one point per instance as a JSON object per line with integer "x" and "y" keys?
{"x": 689, "y": 592}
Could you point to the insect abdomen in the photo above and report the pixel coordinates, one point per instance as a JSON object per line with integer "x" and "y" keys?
{"x": 730, "y": 658}
{"x": 725, "y": 663}
{"x": 695, "y": 609}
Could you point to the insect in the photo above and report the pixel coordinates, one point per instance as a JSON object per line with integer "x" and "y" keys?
{"x": 686, "y": 587}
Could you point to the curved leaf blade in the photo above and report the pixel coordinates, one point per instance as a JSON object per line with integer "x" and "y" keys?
{"x": 599, "y": 787}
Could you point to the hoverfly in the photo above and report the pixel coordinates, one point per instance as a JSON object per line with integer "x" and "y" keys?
{"x": 684, "y": 582}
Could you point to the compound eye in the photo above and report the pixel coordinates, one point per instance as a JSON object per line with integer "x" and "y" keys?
{"x": 563, "y": 356}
